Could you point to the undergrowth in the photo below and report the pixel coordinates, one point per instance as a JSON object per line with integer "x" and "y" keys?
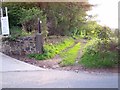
{"x": 98, "y": 54}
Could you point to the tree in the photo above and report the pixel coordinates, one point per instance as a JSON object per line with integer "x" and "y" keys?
{"x": 61, "y": 18}
{"x": 29, "y": 18}
{"x": 25, "y": 15}
{"x": 64, "y": 18}
{"x": 15, "y": 11}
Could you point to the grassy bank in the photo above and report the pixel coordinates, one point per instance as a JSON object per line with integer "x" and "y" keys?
{"x": 99, "y": 54}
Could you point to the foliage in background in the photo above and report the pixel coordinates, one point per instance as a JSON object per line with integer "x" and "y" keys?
{"x": 64, "y": 18}
{"x": 91, "y": 29}
{"x": 61, "y": 18}
{"x": 15, "y": 11}
{"x": 25, "y": 16}
{"x": 29, "y": 19}
{"x": 16, "y": 32}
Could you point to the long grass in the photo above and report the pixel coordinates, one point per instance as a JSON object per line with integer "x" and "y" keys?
{"x": 99, "y": 60}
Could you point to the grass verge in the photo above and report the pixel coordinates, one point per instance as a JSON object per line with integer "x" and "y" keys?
{"x": 99, "y": 60}
{"x": 99, "y": 54}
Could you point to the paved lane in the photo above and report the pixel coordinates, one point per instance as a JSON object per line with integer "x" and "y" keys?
{"x": 17, "y": 74}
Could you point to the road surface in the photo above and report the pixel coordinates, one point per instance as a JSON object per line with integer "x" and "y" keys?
{"x": 17, "y": 74}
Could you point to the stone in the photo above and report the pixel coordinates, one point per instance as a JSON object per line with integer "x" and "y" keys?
{"x": 44, "y": 66}
{"x": 23, "y": 45}
{"x": 77, "y": 71}
{"x": 55, "y": 66}
{"x": 23, "y": 52}
{"x": 27, "y": 48}
{"x": 76, "y": 61}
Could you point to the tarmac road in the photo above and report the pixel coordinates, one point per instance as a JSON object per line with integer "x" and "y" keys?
{"x": 17, "y": 74}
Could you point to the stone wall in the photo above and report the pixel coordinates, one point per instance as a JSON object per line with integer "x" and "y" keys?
{"x": 20, "y": 46}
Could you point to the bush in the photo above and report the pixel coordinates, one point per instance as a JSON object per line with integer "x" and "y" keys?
{"x": 97, "y": 54}
{"x": 15, "y": 33}
{"x": 29, "y": 20}
{"x": 99, "y": 60}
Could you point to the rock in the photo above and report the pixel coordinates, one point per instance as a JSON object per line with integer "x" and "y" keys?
{"x": 44, "y": 66}
{"x": 77, "y": 71}
{"x": 55, "y": 66}
{"x": 27, "y": 48}
{"x": 76, "y": 61}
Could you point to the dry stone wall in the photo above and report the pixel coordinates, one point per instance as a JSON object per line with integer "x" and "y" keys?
{"x": 20, "y": 46}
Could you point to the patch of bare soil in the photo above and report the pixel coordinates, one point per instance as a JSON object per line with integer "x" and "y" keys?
{"x": 54, "y": 64}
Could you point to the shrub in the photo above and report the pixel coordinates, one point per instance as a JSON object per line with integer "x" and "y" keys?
{"x": 15, "y": 33}
{"x": 99, "y": 60}
{"x": 97, "y": 55}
